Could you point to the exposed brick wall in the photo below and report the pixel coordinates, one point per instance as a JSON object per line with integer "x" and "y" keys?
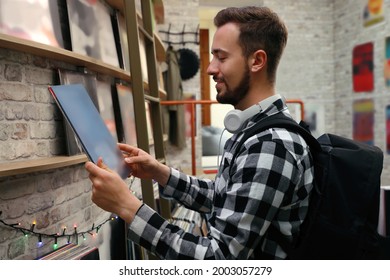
{"x": 317, "y": 65}
{"x": 30, "y": 122}
{"x": 31, "y": 127}
{"x": 306, "y": 69}
{"x": 349, "y": 32}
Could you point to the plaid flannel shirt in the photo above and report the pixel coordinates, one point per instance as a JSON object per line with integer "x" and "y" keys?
{"x": 270, "y": 183}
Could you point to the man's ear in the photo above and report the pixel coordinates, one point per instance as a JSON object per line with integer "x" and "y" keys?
{"x": 258, "y": 60}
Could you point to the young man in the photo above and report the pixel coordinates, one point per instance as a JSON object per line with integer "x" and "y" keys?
{"x": 267, "y": 186}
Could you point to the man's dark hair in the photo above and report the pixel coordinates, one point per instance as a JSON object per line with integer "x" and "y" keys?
{"x": 260, "y": 28}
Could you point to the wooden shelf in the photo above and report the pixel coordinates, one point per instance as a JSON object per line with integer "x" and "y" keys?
{"x": 22, "y": 45}
{"x": 42, "y": 50}
{"x": 42, "y": 164}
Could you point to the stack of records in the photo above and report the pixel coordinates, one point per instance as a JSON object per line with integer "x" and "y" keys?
{"x": 187, "y": 219}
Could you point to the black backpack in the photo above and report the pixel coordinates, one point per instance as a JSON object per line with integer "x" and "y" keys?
{"x": 343, "y": 212}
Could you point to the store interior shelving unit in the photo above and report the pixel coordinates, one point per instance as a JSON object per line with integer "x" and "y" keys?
{"x": 142, "y": 90}
{"x": 152, "y": 94}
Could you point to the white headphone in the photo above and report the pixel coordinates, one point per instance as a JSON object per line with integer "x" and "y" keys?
{"x": 235, "y": 119}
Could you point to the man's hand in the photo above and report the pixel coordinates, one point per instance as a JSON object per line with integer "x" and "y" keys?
{"x": 110, "y": 192}
{"x": 143, "y": 165}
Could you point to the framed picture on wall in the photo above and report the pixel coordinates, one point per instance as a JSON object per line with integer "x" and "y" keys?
{"x": 386, "y": 64}
{"x": 373, "y": 12}
{"x": 123, "y": 99}
{"x": 34, "y": 20}
{"x": 363, "y": 121}
{"x": 89, "y": 82}
{"x": 363, "y": 68}
{"x": 91, "y": 30}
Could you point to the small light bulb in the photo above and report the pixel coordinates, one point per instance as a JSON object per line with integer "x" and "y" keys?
{"x": 55, "y": 246}
{"x": 40, "y": 243}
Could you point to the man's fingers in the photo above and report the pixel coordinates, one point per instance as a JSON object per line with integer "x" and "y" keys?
{"x": 135, "y": 159}
{"x": 126, "y": 148}
{"x": 102, "y": 165}
{"x": 95, "y": 169}
{"x": 91, "y": 167}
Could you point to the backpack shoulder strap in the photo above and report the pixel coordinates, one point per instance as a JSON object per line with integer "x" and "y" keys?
{"x": 280, "y": 120}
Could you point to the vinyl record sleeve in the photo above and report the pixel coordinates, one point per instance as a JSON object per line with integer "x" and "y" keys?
{"x": 91, "y": 30}
{"x": 124, "y": 98}
{"x": 89, "y": 127}
{"x": 34, "y": 20}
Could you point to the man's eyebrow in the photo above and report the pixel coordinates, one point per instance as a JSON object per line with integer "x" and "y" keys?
{"x": 218, "y": 50}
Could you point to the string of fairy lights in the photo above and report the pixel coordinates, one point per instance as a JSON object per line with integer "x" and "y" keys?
{"x": 66, "y": 233}
{"x": 55, "y": 237}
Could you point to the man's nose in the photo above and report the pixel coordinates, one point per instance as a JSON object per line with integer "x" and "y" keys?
{"x": 211, "y": 69}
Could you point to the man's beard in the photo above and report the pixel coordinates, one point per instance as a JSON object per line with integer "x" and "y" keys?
{"x": 234, "y": 96}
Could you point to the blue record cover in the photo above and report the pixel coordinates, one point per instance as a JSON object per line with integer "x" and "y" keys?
{"x": 89, "y": 127}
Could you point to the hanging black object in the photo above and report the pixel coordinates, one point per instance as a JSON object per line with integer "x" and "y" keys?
{"x": 188, "y": 62}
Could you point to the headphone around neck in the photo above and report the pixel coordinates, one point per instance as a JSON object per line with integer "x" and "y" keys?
{"x": 235, "y": 119}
